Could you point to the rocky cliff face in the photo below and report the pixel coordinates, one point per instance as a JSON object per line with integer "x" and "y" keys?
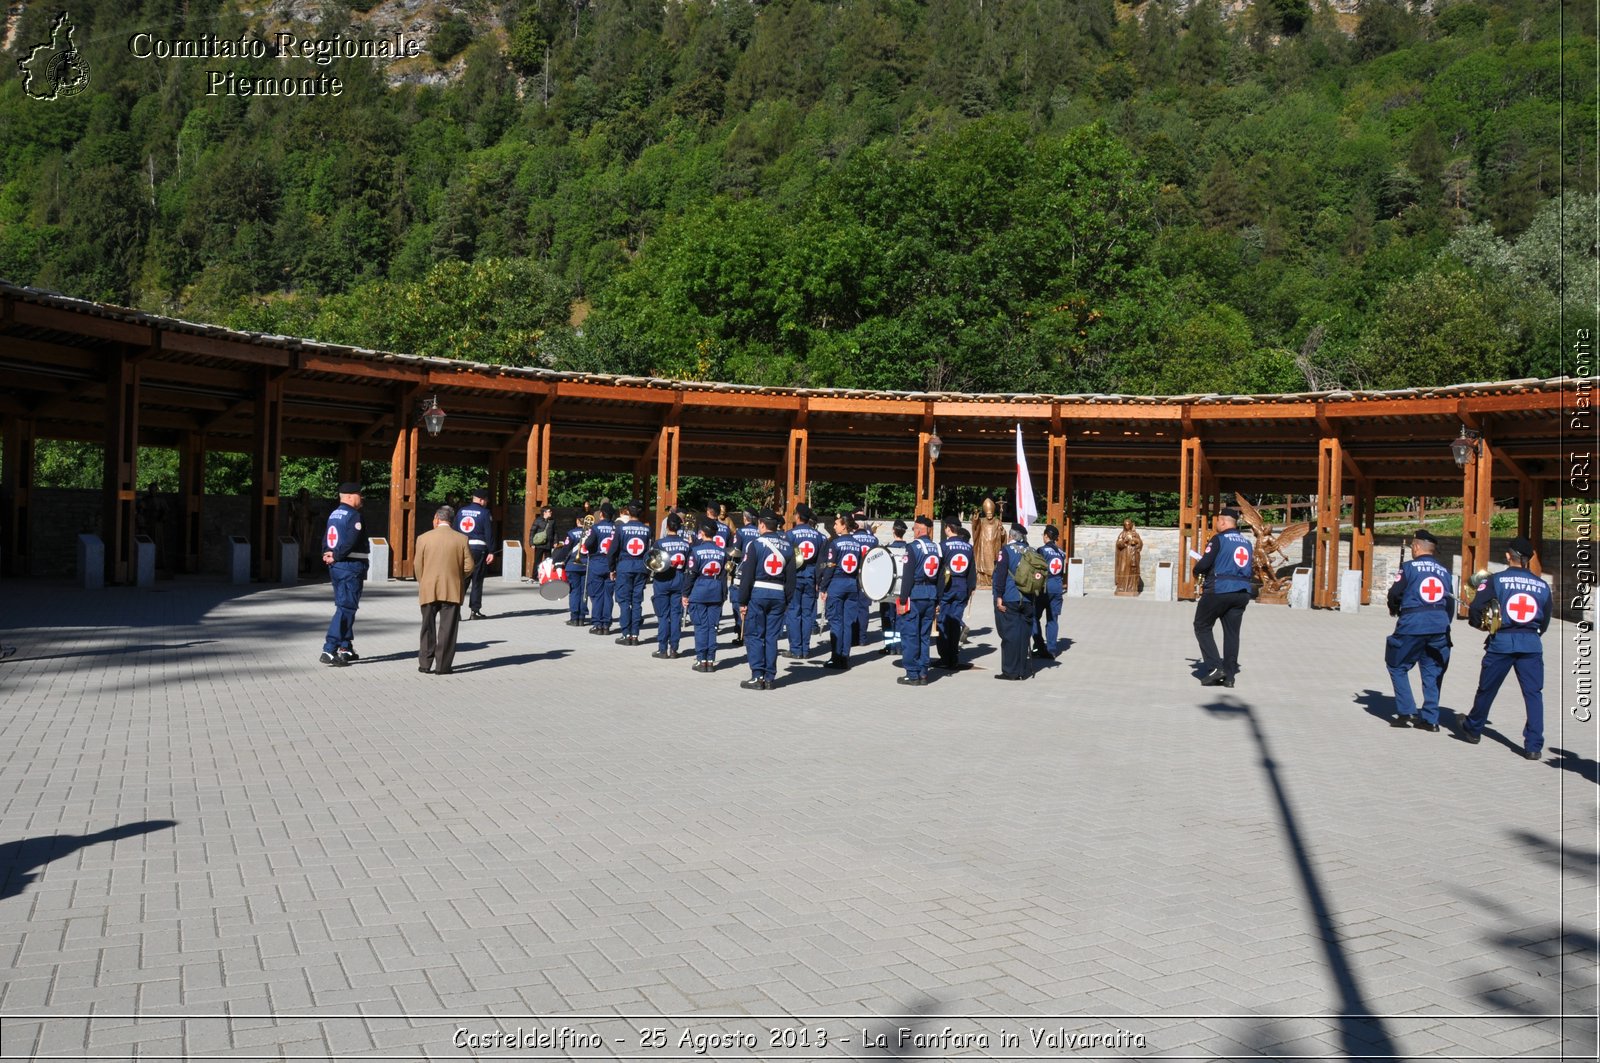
{"x": 416, "y": 19}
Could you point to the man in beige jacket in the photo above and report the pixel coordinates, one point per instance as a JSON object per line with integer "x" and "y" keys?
{"x": 442, "y": 565}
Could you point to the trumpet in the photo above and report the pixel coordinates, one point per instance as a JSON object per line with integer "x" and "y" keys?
{"x": 1489, "y": 620}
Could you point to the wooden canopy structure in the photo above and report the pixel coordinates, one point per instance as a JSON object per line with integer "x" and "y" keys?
{"x": 79, "y": 370}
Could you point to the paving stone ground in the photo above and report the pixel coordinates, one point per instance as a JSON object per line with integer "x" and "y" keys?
{"x": 215, "y": 848}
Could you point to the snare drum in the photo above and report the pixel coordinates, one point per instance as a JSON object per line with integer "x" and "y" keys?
{"x": 552, "y": 581}
{"x": 880, "y": 576}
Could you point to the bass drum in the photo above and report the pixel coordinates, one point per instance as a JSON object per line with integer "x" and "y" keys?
{"x": 553, "y": 584}
{"x": 880, "y": 576}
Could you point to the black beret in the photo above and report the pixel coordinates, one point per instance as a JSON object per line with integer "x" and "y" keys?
{"x": 349, "y": 487}
{"x": 802, "y": 511}
{"x": 1052, "y": 532}
{"x": 708, "y": 528}
{"x": 1231, "y": 512}
{"x": 1017, "y": 529}
{"x": 481, "y": 492}
{"x": 769, "y": 518}
{"x": 926, "y": 522}
{"x": 1522, "y": 547}
{"x": 606, "y": 511}
{"x": 1425, "y": 536}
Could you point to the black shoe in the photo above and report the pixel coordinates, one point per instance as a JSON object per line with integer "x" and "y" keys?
{"x": 660, "y": 655}
{"x": 1423, "y": 725}
{"x": 576, "y": 623}
{"x": 595, "y": 630}
{"x": 333, "y": 660}
{"x": 425, "y": 670}
{"x": 752, "y": 684}
{"x": 1009, "y": 677}
{"x": 672, "y": 655}
{"x": 907, "y": 681}
{"x": 477, "y": 616}
{"x": 1400, "y": 721}
{"x": 836, "y": 662}
{"x": 622, "y": 641}
{"x": 1532, "y": 754}
{"x": 350, "y": 656}
{"x": 1466, "y": 735}
{"x": 738, "y": 641}
{"x": 768, "y": 684}
{"x": 1215, "y": 678}
{"x": 789, "y": 655}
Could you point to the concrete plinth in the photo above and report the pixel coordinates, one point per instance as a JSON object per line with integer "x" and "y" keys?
{"x": 1350, "y": 591}
{"x": 91, "y": 562}
{"x": 144, "y": 561}
{"x": 1075, "y": 585}
{"x": 1166, "y": 582}
{"x": 288, "y": 559}
{"x": 1300, "y": 589}
{"x": 510, "y": 561}
{"x": 377, "y": 560}
{"x": 238, "y": 559}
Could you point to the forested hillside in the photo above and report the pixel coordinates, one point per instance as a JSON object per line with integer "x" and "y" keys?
{"x": 1028, "y": 195}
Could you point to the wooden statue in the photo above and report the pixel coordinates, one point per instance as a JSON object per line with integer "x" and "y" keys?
{"x": 988, "y": 536}
{"x": 1129, "y": 546}
{"x": 1273, "y": 589}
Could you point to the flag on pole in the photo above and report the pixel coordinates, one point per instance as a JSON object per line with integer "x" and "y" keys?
{"x": 1027, "y": 509}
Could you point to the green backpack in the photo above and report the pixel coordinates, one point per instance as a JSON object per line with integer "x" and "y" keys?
{"x": 1030, "y": 573}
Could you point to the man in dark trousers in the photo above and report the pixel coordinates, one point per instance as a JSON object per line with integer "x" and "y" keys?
{"x": 668, "y": 586}
{"x": 960, "y": 577}
{"x": 1524, "y": 601}
{"x": 1013, "y": 609}
{"x": 444, "y": 561}
{"x": 473, "y": 521}
{"x": 629, "y": 571}
{"x": 345, "y": 552}
{"x": 766, "y": 583}
{"x": 1229, "y": 565}
{"x": 1420, "y": 597}
{"x": 707, "y": 587}
{"x": 918, "y": 600}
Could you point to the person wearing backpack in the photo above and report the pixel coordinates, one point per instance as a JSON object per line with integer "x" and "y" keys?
{"x": 1019, "y": 577}
{"x": 1229, "y": 565}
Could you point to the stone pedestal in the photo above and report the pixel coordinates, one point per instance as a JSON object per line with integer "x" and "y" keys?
{"x": 144, "y": 561}
{"x": 238, "y": 559}
{"x": 1075, "y": 587}
{"x": 1300, "y": 589}
{"x": 91, "y": 562}
{"x": 511, "y": 561}
{"x": 288, "y": 559}
{"x": 1350, "y": 591}
{"x": 1166, "y": 582}
{"x": 377, "y": 560}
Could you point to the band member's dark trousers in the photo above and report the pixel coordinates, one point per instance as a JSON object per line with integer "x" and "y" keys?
{"x": 436, "y": 649}
{"x": 802, "y": 617}
{"x": 577, "y": 583}
{"x": 669, "y": 617}
{"x": 630, "y": 601}
{"x": 1016, "y": 625}
{"x": 1228, "y": 608}
{"x": 705, "y": 617}
{"x": 600, "y": 591}
{"x": 475, "y": 581}
{"x": 951, "y": 615}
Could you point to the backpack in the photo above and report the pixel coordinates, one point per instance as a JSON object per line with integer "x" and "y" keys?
{"x": 1030, "y": 573}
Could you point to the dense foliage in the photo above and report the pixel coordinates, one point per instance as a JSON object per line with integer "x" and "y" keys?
{"x": 1039, "y": 195}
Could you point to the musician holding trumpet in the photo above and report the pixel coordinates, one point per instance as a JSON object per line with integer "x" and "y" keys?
{"x": 1420, "y": 597}
{"x": 1521, "y": 602}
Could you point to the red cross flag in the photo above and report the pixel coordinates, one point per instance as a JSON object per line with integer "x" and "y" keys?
{"x": 1432, "y": 589}
{"x": 635, "y": 547}
{"x": 1522, "y": 608}
{"x": 958, "y": 563}
{"x": 849, "y": 562}
{"x": 1241, "y": 556}
{"x": 773, "y": 564}
{"x": 930, "y": 566}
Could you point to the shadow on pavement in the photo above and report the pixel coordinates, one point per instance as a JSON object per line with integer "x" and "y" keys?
{"x": 1362, "y": 1035}
{"x": 1376, "y": 703}
{"x": 1567, "y": 760}
{"x": 502, "y": 662}
{"x": 19, "y": 859}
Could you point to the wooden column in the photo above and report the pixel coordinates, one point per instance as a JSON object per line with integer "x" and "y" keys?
{"x": 120, "y": 484}
{"x": 1477, "y": 506}
{"x": 16, "y": 485}
{"x": 403, "y": 491}
{"x": 1530, "y": 516}
{"x": 192, "y": 491}
{"x": 1195, "y": 491}
{"x": 267, "y": 456}
{"x": 499, "y": 494}
{"x": 538, "y": 467}
{"x": 350, "y": 462}
{"x": 1362, "y": 514}
{"x": 795, "y": 474}
{"x": 1330, "y": 498}
{"x": 1058, "y": 486}
{"x": 666, "y": 469}
{"x": 925, "y": 469}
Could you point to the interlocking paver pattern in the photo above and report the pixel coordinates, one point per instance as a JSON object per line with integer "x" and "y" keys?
{"x": 364, "y": 861}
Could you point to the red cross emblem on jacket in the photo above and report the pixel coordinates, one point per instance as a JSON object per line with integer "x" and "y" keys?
{"x": 773, "y": 564}
{"x": 958, "y": 564}
{"x": 1241, "y": 556}
{"x": 1522, "y": 608}
{"x": 849, "y": 562}
{"x": 1431, "y": 590}
{"x": 930, "y": 566}
{"x": 635, "y": 547}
